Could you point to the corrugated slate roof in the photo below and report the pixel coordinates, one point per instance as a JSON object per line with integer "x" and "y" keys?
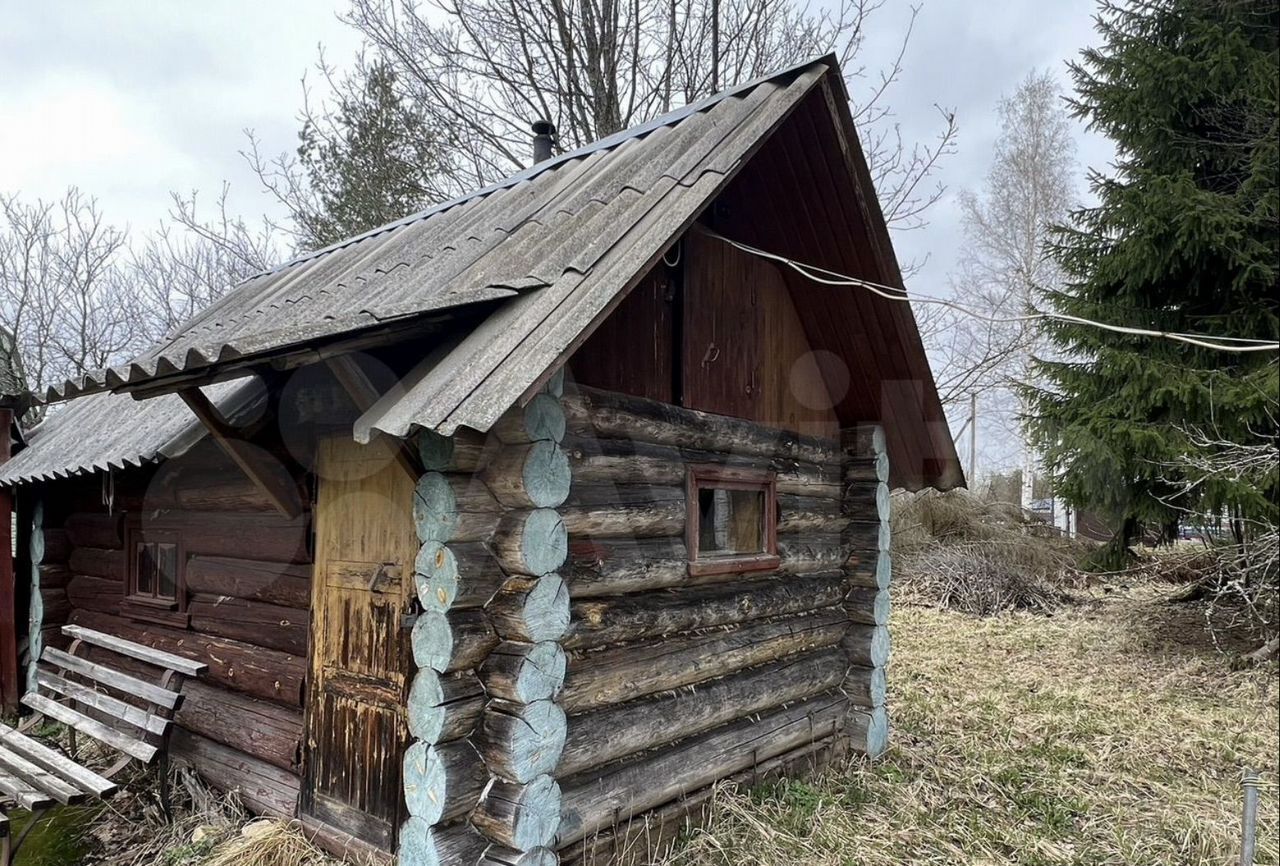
{"x": 114, "y": 431}
{"x": 563, "y": 233}
{"x": 557, "y": 245}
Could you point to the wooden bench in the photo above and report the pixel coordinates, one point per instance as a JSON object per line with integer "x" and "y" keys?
{"x": 128, "y": 713}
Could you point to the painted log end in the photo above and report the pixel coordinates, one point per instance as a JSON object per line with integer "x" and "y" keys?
{"x": 544, "y": 542}
{"x": 417, "y": 843}
{"x": 435, "y": 451}
{"x": 432, "y": 641}
{"x": 436, "y": 576}
{"x": 435, "y": 508}
{"x": 546, "y": 475}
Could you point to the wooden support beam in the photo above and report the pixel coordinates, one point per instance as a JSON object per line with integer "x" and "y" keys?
{"x": 269, "y": 477}
{"x": 363, "y": 393}
{"x": 9, "y": 686}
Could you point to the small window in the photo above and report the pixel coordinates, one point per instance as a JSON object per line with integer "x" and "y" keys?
{"x": 155, "y": 570}
{"x": 732, "y": 520}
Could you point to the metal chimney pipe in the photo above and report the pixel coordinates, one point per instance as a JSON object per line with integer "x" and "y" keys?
{"x": 544, "y": 133}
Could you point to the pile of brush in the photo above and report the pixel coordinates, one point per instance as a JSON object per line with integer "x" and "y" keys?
{"x": 963, "y": 553}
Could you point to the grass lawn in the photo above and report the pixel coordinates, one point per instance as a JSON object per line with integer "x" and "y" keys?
{"x": 1112, "y": 732}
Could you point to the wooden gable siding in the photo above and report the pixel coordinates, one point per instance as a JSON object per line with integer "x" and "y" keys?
{"x": 745, "y": 351}
{"x": 719, "y": 333}
{"x": 807, "y": 195}
{"x": 633, "y": 350}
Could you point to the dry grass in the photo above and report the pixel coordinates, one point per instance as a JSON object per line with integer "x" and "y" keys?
{"x": 964, "y": 553}
{"x": 209, "y": 828}
{"x": 273, "y": 843}
{"x": 1111, "y": 733}
{"x": 131, "y": 829}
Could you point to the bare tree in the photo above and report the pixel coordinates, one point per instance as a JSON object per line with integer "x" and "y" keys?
{"x": 478, "y": 71}
{"x": 61, "y": 290}
{"x": 1005, "y": 263}
{"x": 194, "y": 259}
{"x": 1234, "y": 479}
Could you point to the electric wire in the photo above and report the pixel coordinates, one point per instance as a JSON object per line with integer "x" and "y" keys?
{"x": 834, "y": 278}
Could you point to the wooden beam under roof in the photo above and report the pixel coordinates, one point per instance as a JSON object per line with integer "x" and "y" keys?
{"x": 363, "y": 393}
{"x": 266, "y": 474}
{"x": 387, "y": 333}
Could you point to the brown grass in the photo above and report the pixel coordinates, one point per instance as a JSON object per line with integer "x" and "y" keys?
{"x": 965, "y": 553}
{"x": 1110, "y": 733}
{"x": 276, "y": 843}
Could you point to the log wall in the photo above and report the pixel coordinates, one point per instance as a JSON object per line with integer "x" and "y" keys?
{"x": 484, "y": 704}
{"x": 868, "y": 568}
{"x": 248, "y": 578}
{"x": 570, "y": 676}
{"x": 676, "y": 681}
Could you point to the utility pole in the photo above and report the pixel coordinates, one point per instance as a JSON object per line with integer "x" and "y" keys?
{"x": 973, "y": 440}
{"x": 715, "y": 46}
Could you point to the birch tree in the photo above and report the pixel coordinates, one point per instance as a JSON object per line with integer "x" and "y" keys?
{"x": 1006, "y": 262}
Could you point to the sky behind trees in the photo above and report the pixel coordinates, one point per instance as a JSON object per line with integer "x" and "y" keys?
{"x": 130, "y": 100}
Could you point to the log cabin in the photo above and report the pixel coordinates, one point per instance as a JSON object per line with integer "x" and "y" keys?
{"x": 509, "y": 529}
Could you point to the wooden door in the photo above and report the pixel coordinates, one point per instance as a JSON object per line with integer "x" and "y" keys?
{"x": 355, "y": 719}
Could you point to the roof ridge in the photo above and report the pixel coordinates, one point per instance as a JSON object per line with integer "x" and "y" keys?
{"x": 530, "y": 172}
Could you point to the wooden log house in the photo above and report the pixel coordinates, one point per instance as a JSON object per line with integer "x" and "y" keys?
{"x": 509, "y": 529}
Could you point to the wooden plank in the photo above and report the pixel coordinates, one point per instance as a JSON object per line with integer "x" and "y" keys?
{"x": 23, "y": 793}
{"x": 104, "y": 703}
{"x": 135, "y": 748}
{"x": 263, "y": 788}
{"x": 9, "y": 682}
{"x": 113, "y": 679}
{"x": 633, "y": 350}
{"x": 41, "y": 755}
{"x": 39, "y": 778}
{"x": 363, "y": 393}
{"x": 138, "y": 651}
{"x": 272, "y": 478}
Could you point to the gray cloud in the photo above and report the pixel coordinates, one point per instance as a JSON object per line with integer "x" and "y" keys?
{"x": 131, "y": 99}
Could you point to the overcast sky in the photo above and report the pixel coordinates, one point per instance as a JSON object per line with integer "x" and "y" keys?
{"x": 130, "y": 99}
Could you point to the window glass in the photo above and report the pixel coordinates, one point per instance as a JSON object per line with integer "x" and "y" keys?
{"x": 167, "y": 570}
{"x": 146, "y": 568}
{"x": 732, "y": 521}
{"x": 155, "y": 569}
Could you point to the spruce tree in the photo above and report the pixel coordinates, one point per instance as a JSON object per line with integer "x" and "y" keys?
{"x": 368, "y": 161}
{"x": 1183, "y": 237}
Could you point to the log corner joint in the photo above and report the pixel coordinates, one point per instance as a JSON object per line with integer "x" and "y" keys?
{"x": 266, "y": 474}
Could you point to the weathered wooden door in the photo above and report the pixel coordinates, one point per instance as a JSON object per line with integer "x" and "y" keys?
{"x": 355, "y": 724}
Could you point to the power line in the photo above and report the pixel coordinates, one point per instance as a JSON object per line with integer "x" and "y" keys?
{"x": 892, "y": 293}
